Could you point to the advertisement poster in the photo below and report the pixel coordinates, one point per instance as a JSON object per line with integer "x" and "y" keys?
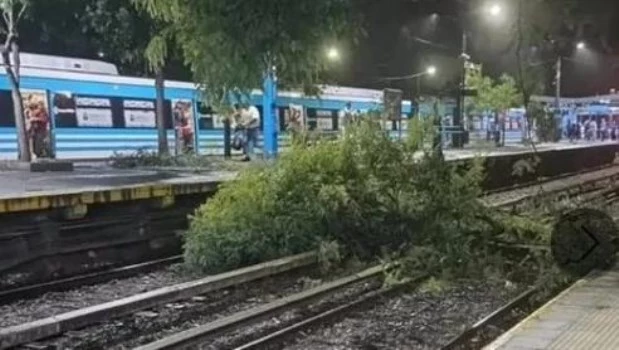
{"x": 294, "y": 118}
{"x": 139, "y": 114}
{"x": 94, "y": 112}
{"x": 182, "y": 111}
{"x": 38, "y": 126}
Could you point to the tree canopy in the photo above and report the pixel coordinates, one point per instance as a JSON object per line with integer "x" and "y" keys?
{"x": 230, "y": 44}
{"x": 113, "y": 30}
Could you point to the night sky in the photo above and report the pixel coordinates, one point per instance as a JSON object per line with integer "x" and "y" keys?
{"x": 392, "y": 47}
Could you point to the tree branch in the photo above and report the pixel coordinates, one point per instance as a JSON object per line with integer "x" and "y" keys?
{"x": 22, "y": 10}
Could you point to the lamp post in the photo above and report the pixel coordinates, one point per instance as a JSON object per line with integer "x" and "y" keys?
{"x": 558, "y": 75}
{"x": 494, "y": 10}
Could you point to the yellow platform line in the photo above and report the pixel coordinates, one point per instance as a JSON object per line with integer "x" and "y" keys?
{"x": 58, "y": 199}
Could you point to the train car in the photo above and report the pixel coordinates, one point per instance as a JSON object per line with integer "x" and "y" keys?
{"x": 93, "y": 112}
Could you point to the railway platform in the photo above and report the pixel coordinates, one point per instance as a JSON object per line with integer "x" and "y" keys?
{"x": 23, "y": 191}
{"x": 584, "y": 316}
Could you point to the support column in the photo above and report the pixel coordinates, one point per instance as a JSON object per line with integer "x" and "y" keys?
{"x": 269, "y": 124}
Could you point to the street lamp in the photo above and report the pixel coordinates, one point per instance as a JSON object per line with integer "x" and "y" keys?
{"x": 495, "y": 10}
{"x": 558, "y": 72}
{"x": 333, "y": 54}
{"x": 431, "y": 70}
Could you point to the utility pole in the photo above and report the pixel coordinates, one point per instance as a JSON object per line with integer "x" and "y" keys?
{"x": 558, "y": 114}
{"x": 558, "y": 85}
{"x": 457, "y": 138}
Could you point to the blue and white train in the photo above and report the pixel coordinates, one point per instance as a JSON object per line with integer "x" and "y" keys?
{"x": 94, "y": 112}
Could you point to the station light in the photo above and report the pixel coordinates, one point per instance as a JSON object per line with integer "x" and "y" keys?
{"x": 495, "y": 10}
{"x": 333, "y": 54}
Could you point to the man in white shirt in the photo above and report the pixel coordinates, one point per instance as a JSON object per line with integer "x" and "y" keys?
{"x": 346, "y": 117}
{"x": 250, "y": 120}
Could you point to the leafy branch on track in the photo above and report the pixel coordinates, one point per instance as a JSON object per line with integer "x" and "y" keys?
{"x": 377, "y": 198}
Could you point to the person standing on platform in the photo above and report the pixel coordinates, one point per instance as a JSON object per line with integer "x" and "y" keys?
{"x": 250, "y": 120}
{"x": 346, "y": 117}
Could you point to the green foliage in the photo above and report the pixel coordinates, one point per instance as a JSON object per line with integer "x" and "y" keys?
{"x": 368, "y": 196}
{"x": 434, "y": 286}
{"x": 329, "y": 255}
{"x": 118, "y": 31}
{"x": 493, "y": 96}
{"x": 364, "y": 191}
{"x": 229, "y": 44}
{"x": 544, "y": 121}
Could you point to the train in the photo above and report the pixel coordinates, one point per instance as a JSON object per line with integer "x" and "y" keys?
{"x": 93, "y": 112}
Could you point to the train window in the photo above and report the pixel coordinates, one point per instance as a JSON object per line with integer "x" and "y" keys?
{"x": 207, "y": 118}
{"x": 322, "y": 119}
{"x": 7, "y": 117}
{"x": 311, "y": 119}
{"x": 205, "y": 109}
{"x": 281, "y": 114}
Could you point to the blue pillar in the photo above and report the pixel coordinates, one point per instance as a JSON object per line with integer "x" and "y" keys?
{"x": 269, "y": 125}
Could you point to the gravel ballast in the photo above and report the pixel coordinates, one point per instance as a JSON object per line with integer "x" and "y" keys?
{"x": 417, "y": 320}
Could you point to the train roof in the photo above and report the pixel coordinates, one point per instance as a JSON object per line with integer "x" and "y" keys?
{"x": 65, "y": 64}
{"x": 56, "y": 67}
{"x": 603, "y": 99}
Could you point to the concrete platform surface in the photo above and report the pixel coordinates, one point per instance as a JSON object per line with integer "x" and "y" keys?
{"x": 585, "y": 316}
{"x": 17, "y": 184}
{"x": 520, "y": 148}
{"x": 98, "y": 177}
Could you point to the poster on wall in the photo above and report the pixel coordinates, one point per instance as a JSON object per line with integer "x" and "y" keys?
{"x": 294, "y": 118}
{"x": 139, "y": 114}
{"x": 38, "y": 124}
{"x": 182, "y": 112}
{"x": 93, "y": 112}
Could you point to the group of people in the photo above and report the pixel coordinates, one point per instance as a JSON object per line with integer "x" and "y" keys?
{"x": 592, "y": 129}
{"x": 245, "y": 122}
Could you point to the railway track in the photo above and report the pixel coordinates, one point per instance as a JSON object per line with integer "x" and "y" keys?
{"x": 66, "y": 324}
{"x": 501, "y": 320}
{"x": 547, "y": 180}
{"x": 31, "y": 291}
{"x": 62, "y": 325}
{"x": 590, "y": 186}
{"x": 273, "y": 323}
{"x": 602, "y": 184}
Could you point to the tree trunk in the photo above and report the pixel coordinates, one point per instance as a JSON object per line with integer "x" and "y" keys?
{"x": 12, "y": 71}
{"x": 23, "y": 145}
{"x": 162, "y": 136}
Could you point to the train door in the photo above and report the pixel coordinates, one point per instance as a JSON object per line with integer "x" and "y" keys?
{"x": 184, "y": 126}
{"x": 38, "y": 122}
